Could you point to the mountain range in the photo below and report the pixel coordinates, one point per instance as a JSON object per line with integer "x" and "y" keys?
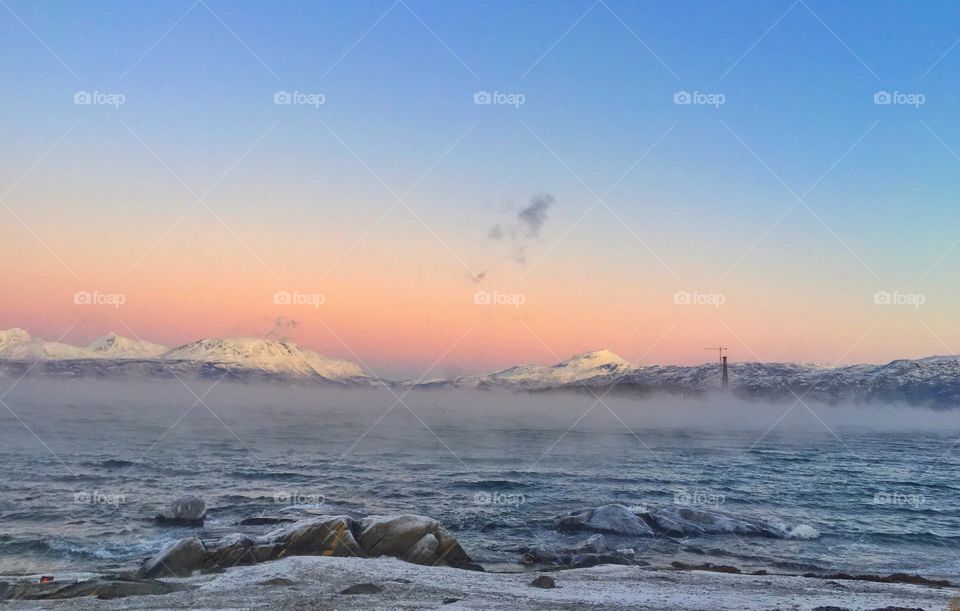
{"x": 932, "y": 381}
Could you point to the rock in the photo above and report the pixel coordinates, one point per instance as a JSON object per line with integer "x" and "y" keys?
{"x": 175, "y": 559}
{"x": 580, "y": 561}
{"x": 706, "y": 566}
{"x": 107, "y": 588}
{"x": 184, "y": 511}
{"x": 540, "y": 553}
{"x": 326, "y": 536}
{"x": 424, "y": 551}
{"x": 264, "y": 521}
{"x": 590, "y": 552}
{"x": 449, "y": 600}
{"x": 682, "y": 520}
{"x": 264, "y": 552}
{"x": 413, "y": 538}
{"x": 544, "y": 581}
{"x": 230, "y": 551}
{"x": 363, "y": 588}
{"x": 595, "y": 544}
{"x": 612, "y": 518}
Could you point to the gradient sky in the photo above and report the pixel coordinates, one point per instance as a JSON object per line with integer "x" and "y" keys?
{"x": 297, "y": 198}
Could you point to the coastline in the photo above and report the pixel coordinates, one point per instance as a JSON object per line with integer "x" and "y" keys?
{"x": 317, "y": 582}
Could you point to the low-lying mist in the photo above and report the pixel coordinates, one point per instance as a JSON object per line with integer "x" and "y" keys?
{"x": 485, "y": 410}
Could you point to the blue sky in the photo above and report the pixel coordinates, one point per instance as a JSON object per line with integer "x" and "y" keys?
{"x": 598, "y": 80}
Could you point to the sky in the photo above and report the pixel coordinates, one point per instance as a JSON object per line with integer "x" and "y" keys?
{"x": 456, "y": 187}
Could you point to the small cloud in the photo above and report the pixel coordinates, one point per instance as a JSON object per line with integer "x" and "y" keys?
{"x": 526, "y": 227}
{"x": 281, "y": 327}
{"x": 534, "y": 215}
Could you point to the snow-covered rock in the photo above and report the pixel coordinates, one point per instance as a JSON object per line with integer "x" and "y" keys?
{"x": 676, "y": 520}
{"x": 611, "y": 518}
{"x": 184, "y": 511}
{"x": 681, "y": 520}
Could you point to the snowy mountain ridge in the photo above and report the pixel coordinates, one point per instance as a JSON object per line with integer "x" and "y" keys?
{"x": 117, "y": 354}
{"x": 112, "y": 345}
{"x": 933, "y": 380}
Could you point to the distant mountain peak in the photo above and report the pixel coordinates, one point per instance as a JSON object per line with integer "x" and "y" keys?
{"x": 16, "y": 343}
{"x": 16, "y": 334}
{"x": 597, "y": 358}
{"x": 112, "y": 345}
{"x": 267, "y": 355}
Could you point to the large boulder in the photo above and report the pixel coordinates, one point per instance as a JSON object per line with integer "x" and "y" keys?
{"x": 175, "y": 559}
{"x": 184, "y": 511}
{"x": 594, "y": 544}
{"x": 590, "y": 552}
{"x": 612, "y": 518}
{"x": 416, "y": 539}
{"x": 230, "y": 551}
{"x": 326, "y": 536}
{"x": 684, "y": 520}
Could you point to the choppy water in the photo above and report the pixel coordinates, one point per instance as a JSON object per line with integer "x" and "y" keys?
{"x": 78, "y": 492}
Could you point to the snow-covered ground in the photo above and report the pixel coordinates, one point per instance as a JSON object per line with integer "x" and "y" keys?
{"x": 316, "y": 582}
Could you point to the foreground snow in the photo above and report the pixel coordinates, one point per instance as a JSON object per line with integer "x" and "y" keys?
{"x": 317, "y": 582}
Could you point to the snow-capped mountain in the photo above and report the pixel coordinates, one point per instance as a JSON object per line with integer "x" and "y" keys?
{"x": 117, "y": 347}
{"x": 933, "y": 381}
{"x": 587, "y": 368}
{"x": 116, "y": 356}
{"x": 266, "y": 355}
{"x": 18, "y": 344}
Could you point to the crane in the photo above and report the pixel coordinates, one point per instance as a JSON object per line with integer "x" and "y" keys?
{"x": 720, "y": 350}
{"x": 723, "y": 363}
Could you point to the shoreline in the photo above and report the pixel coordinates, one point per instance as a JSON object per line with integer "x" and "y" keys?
{"x": 319, "y": 582}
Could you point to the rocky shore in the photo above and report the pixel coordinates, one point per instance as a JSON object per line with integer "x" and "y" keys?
{"x": 318, "y": 582}
{"x": 410, "y": 561}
